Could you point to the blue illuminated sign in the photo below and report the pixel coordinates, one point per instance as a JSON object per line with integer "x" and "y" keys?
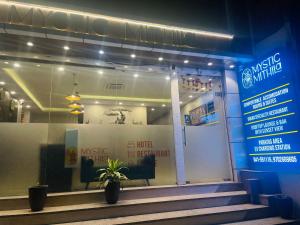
{"x": 270, "y": 112}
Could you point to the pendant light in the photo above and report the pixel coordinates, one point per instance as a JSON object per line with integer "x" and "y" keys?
{"x": 75, "y": 94}
{"x": 76, "y": 111}
{"x": 74, "y": 105}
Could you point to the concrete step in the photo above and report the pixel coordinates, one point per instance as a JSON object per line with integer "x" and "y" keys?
{"x": 131, "y": 207}
{"x": 83, "y": 197}
{"x": 206, "y": 216}
{"x": 266, "y": 221}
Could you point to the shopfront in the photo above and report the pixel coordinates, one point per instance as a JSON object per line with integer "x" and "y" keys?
{"x": 79, "y": 86}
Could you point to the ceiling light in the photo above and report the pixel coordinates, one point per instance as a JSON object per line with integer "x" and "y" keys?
{"x": 61, "y": 69}
{"x": 209, "y": 79}
{"x": 210, "y": 64}
{"x": 133, "y": 56}
{"x": 68, "y": 60}
{"x": 174, "y": 73}
{"x": 190, "y": 78}
{"x": 28, "y": 106}
{"x": 231, "y": 66}
{"x": 2, "y": 83}
{"x": 125, "y": 67}
{"x": 120, "y": 103}
{"x": 30, "y": 44}
{"x": 96, "y": 102}
{"x": 152, "y": 109}
{"x": 76, "y": 111}
{"x": 100, "y": 71}
{"x": 66, "y": 48}
{"x": 142, "y": 104}
{"x": 101, "y": 52}
{"x": 16, "y": 65}
{"x": 150, "y": 69}
{"x": 180, "y": 102}
{"x": 186, "y": 61}
{"x": 6, "y": 62}
{"x": 190, "y": 96}
{"x": 12, "y": 92}
{"x": 36, "y": 57}
{"x": 135, "y": 75}
{"x": 21, "y": 100}
{"x": 74, "y": 105}
{"x": 167, "y": 77}
{"x": 38, "y": 65}
{"x": 163, "y": 105}
{"x": 160, "y": 59}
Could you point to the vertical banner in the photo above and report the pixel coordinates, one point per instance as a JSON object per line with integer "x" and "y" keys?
{"x": 71, "y": 148}
{"x": 270, "y": 109}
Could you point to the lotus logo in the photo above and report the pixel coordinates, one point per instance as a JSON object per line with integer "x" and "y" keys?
{"x": 247, "y": 78}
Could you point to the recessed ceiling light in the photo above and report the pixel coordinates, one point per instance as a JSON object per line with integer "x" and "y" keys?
{"x": 30, "y": 44}
{"x": 142, "y": 104}
{"x": 160, "y": 59}
{"x": 17, "y": 65}
{"x": 66, "y": 48}
{"x": 133, "y": 56}
{"x": 21, "y": 100}
{"x": 152, "y": 109}
{"x": 97, "y": 63}
{"x": 12, "y": 92}
{"x": 96, "y": 102}
{"x": 186, "y": 61}
{"x": 101, "y": 52}
{"x": 125, "y": 67}
{"x": 61, "y": 68}
{"x": 167, "y": 77}
{"x": 28, "y": 106}
{"x": 180, "y": 102}
{"x": 2, "y": 83}
{"x": 6, "y": 62}
{"x": 100, "y": 71}
{"x": 174, "y": 73}
{"x": 38, "y": 65}
{"x": 209, "y": 79}
{"x": 190, "y": 78}
{"x": 36, "y": 57}
{"x": 68, "y": 60}
{"x": 190, "y": 96}
{"x": 135, "y": 75}
{"x": 163, "y": 105}
{"x": 150, "y": 69}
{"x": 120, "y": 103}
{"x": 231, "y": 66}
{"x": 210, "y": 64}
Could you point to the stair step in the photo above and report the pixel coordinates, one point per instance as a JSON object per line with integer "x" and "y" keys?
{"x": 266, "y": 221}
{"x": 71, "y": 213}
{"x": 206, "y": 216}
{"x": 83, "y": 197}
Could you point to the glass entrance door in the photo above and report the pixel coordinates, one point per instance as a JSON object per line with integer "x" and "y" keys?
{"x": 204, "y": 129}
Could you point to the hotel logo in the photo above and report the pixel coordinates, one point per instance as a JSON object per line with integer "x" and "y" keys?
{"x": 261, "y": 71}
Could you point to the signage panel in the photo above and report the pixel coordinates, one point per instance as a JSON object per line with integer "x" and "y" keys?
{"x": 270, "y": 112}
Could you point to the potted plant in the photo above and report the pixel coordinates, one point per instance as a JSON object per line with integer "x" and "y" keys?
{"x": 37, "y": 197}
{"x": 110, "y": 178}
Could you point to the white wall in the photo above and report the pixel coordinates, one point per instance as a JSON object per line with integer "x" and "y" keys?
{"x": 96, "y": 114}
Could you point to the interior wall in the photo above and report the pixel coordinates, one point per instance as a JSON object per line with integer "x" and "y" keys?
{"x": 97, "y": 114}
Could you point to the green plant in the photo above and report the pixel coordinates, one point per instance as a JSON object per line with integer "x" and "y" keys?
{"x": 112, "y": 172}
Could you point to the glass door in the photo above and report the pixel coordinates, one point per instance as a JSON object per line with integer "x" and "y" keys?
{"x": 204, "y": 129}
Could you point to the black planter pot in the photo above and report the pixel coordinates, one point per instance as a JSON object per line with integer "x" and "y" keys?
{"x": 112, "y": 191}
{"x": 37, "y": 197}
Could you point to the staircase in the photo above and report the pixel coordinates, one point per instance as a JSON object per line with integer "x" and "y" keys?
{"x": 212, "y": 203}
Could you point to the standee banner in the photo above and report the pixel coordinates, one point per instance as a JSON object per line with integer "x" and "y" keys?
{"x": 71, "y": 148}
{"x": 270, "y": 109}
